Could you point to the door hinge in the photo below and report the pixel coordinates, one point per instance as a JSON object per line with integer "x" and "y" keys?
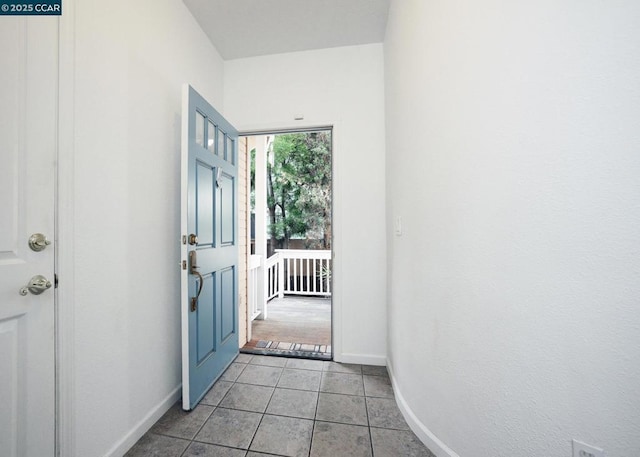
{"x": 55, "y": 281}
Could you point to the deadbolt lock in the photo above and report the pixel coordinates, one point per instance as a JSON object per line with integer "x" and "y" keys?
{"x": 38, "y": 242}
{"x": 193, "y": 239}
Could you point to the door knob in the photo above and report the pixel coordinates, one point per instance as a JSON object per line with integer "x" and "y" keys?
{"x": 36, "y": 286}
{"x": 38, "y": 242}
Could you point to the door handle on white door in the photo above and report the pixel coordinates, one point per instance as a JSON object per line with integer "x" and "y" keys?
{"x": 36, "y": 286}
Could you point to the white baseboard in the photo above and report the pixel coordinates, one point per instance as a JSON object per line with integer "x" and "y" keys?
{"x": 422, "y": 432}
{"x": 363, "y": 359}
{"x": 122, "y": 446}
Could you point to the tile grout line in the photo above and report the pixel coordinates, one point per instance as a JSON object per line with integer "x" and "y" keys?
{"x": 366, "y": 408}
{"x": 199, "y": 428}
{"x": 265, "y": 410}
{"x": 315, "y": 415}
{"x": 212, "y": 411}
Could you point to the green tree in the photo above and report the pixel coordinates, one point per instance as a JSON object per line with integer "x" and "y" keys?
{"x": 299, "y": 189}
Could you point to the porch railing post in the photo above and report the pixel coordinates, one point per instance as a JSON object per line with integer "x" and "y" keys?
{"x": 256, "y": 305}
{"x": 263, "y": 288}
{"x": 281, "y": 276}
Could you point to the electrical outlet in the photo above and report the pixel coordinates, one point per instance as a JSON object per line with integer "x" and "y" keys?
{"x": 581, "y": 449}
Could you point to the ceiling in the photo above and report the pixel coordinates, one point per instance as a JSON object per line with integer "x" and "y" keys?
{"x": 248, "y": 28}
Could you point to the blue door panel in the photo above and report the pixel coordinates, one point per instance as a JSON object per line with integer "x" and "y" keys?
{"x": 228, "y": 308}
{"x": 205, "y": 203}
{"x": 227, "y": 207}
{"x": 211, "y": 215}
{"x": 206, "y": 330}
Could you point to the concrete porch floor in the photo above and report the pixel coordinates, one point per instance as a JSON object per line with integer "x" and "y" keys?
{"x": 294, "y": 319}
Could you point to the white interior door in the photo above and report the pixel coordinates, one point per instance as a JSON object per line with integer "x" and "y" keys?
{"x": 28, "y": 135}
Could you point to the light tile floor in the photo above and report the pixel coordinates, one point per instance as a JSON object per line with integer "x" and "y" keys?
{"x": 273, "y": 406}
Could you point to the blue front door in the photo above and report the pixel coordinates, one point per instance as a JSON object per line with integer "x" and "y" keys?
{"x": 209, "y": 246}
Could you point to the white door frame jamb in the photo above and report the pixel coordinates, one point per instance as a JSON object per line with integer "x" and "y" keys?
{"x": 65, "y": 296}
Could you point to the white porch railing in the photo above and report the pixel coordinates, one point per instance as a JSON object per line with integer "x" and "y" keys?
{"x": 273, "y": 276}
{"x": 305, "y": 272}
{"x": 288, "y": 272}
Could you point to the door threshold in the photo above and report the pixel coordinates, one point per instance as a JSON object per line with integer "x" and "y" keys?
{"x": 291, "y": 354}
{"x": 278, "y": 349}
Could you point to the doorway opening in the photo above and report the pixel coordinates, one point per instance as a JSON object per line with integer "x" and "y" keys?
{"x": 289, "y": 238}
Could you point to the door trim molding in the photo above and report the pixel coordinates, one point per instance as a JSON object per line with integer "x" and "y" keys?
{"x": 281, "y": 131}
{"x": 336, "y": 215}
{"x": 65, "y": 235}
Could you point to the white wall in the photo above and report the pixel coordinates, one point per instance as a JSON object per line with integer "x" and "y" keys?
{"x": 131, "y": 60}
{"x": 513, "y": 157}
{"x": 343, "y": 87}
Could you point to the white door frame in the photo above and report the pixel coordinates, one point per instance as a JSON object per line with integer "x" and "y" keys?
{"x": 65, "y": 268}
{"x": 64, "y": 236}
{"x": 336, "y": 216}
